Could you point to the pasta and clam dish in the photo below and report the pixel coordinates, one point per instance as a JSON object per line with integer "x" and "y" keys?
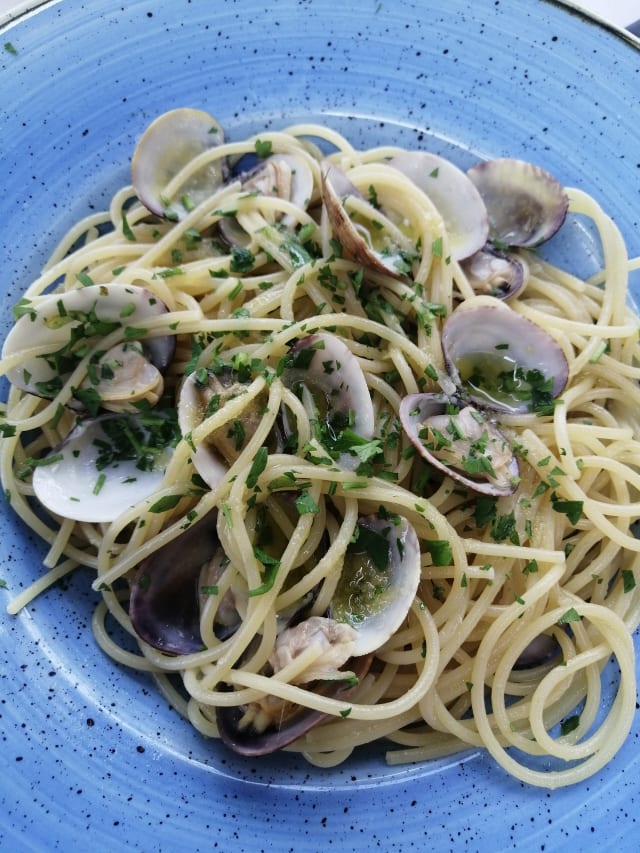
{"x": 351, "y": 461}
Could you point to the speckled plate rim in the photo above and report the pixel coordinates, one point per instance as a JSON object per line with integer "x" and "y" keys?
{"x": 76, "y": 728}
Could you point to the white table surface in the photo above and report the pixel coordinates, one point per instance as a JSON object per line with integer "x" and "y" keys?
{"x": 619, "y": 12}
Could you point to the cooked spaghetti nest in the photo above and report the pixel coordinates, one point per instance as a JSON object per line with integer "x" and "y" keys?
{"x": 553, "y": 565}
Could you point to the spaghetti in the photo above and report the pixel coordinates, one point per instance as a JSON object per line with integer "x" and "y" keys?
{"x": 523, "y": 598}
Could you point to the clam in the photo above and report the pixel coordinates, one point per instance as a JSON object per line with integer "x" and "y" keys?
{"x": 242, "y": 736}
{"x": 170, "y": 586}
{"x": 105, "y": 465}
{"x": 453, "y": 194}
{"x": 502, "y": 360}
{"x": 123, "y": 377}
{"x": 365, "y": 232}
{"x": 379, "y": 580}
{"x": 526, "y": 205}
{"x": 377, "y": 586}
{"x": 203, "y": 393}
{"x": 64, "y": 327}
{"x": 327, "y": 376}
{"x": 496, "y": 273}
{"x": 169, "y": 144}
{"x": 285, "y": 176}
{"x": 540, "y": 651}
{"x": 461, "y": 441}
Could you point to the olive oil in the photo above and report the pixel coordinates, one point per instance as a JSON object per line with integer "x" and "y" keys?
{"x": 495, "y": 377}
{"x": 363, "y": 589}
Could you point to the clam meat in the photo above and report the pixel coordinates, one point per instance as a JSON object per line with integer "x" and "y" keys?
{"x": 460, "y": 441}
{"x": 377, "y": 586}
{"x": 123, "y": 377}
{"x": 493, "y": 272}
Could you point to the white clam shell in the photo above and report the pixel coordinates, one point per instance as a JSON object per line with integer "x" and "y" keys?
{"x": 191, "y": 413}
{"x": 417, "y": 409}
{"x": 67, "y": 487}
{"x": 453, "y": 194}
{"x": 495, "y": 331}
{"x": 335, "y": 372}
{"x": 169, "y": 144}
{"x": 385, "y": 611}
{"x": 48, "y": 328}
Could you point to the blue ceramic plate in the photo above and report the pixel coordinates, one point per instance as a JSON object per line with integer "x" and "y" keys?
{"x": 91, "y": 756}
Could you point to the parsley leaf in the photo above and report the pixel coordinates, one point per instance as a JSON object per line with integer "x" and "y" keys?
{"x": 263, "y": 148}
{"x": 485, "y": 510}
{"x": 271, "y": 566}
{"x": 572, "y": 509}
{"x": 372, "y": 543}
{"x": 440, "y": 551}
{"x": 569, "y": 724}
{"x": 306, "y": 504}
{"x": 571, "y": 615}
{"x": 628, "y": 580}
{"x": 165, "y": 503}
{"x": 242, "y": 259}
{"x": 257, "y": 467}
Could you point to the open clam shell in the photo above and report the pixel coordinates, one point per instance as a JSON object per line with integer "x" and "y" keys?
{"x": 285, "y": 176}
{"x": 379, "y": 580}
{"x": 461, "y": 442}
{"x": 294, "y": 720}
{"x": 364, "y": 231}
{"x": 378, "y": 584}
{"x": 93, "y": 475}
{"x": 164, "y": 605}
{"x": 502, "y": 360}
{"x": 62, "y": 326}
{"x": 169, "y": 144}
{"x": 454, "y": 195}
{"x": 493, "y": 272}
{"x": 333, "y": 388}
{"x": 526, "y": 204}
{"x": 203, "y": 393}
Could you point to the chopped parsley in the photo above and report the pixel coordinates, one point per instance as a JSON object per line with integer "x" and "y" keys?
{"x": 569, "y": 724}
{"x": 440, "y": 551}
{"x": 271, "y": 566}
{"x": 628, "y": 580}
{"x": 571, "y": 615}
{"x": 372, "y": 543}
{"x": 27, "y": 466}
{"x": 257, "y": 467}
{"x": 306, "y": 504}
{"x": 143, "y": 439}
{"x": 572, "y": 509}
{"x": 263, "y": 148}
{"x": 166, "y": 503}
{"x": 242, "y": 260}
{"x": 504, "y": 527}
